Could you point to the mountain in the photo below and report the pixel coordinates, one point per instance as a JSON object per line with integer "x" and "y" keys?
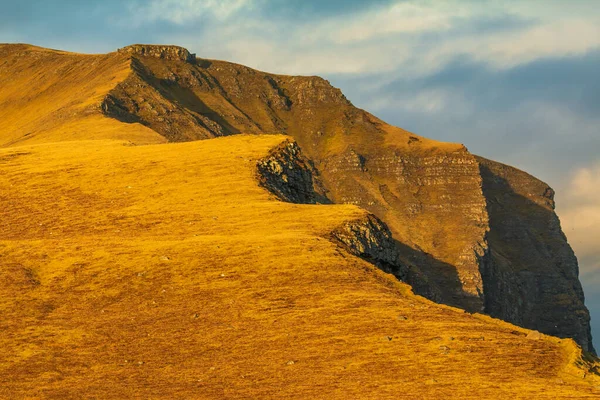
{"x": 262, "y": 265}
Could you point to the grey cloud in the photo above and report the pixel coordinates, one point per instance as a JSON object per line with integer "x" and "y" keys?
{"x": 571, "y": 81}
{"x": 543, "y": 116}
{"x": 591, "y": 286}
{"x": 305, "y": 9}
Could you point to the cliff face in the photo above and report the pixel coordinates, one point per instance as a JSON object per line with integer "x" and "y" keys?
{"x": 287, "y": 174}
{"x": 371, "y": 239}
{"x": 431, "y": 198}
{"x": 466, "y": 231}
{"x": 531, "y": 274}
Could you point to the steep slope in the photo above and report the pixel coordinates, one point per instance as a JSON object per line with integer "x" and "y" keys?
{"x": 428, "y": 193}
{"x": 167, "y": 271}
{"x": 48, "y": 95}
{"x": 531, "y": 269}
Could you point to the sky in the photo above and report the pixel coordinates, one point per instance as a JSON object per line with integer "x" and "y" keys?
{"x": 516, "y": 81}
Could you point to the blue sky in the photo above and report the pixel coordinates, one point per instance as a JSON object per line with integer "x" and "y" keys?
{"x": 516, "y": 81}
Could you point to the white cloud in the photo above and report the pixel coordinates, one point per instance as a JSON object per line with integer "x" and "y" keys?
{"x": 391, "y": 38}
{"x": 183, "y": 11}
{"x": 398, "y": 18}
{"x": 580, "y": 216}
{"x": 293, "y": 59}
{"x": 551, "y": 39}
{"x": 585, "y": 186}
{"x": 424, "y": 101}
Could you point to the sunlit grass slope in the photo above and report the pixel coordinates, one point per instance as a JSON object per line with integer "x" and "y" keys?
{"x": 165, "y": 271}
{"x": 48, "y": 95}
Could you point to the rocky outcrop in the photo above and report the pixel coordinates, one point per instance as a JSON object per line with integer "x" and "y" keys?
{"x": 166, "y": 103}
{"x": 172, "y": 53}
{"x": 531, "y": 275}
{"x": 370, "y": 239}
{"x": 286, "y": 173}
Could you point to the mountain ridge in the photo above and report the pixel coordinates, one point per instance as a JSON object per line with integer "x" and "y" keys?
{"x": 140, "y": 260}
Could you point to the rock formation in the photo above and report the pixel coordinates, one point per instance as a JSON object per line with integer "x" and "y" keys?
{"x": 530, "y": 275}
{"x": 371, "y": 239}
{"x": 173, "y": 53}
{"x": 288, "y": 175}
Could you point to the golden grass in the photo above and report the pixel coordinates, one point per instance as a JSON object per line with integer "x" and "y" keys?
{"x": 165, "y": 271}
{"x": 48, "y": 96}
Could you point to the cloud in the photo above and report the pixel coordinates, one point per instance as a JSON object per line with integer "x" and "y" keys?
{"x": 585, "y": 186}
{"x": 354, "y": 37}
{"x": 553, "y": 39}
{"x": 580, "y": 216}
{"x": 425, "y": 102}
{"x": 397, "y": 18}
{"x": 183, "y": 11}
{"x": 419, "y": 38}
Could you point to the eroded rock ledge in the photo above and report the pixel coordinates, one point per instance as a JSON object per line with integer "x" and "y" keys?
{"x": 174, "y": 53}
{"x": 369, "y": 238}
{"x": 286, "y": 173}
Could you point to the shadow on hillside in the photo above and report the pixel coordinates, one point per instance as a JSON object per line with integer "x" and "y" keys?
{"x": 185, "y": 97}
{"x": 436, "y": 280}
{"x": 203, "y": 63}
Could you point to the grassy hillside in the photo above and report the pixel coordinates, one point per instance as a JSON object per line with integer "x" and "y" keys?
{"x": 48, "y": 95}
{"x": 165, "y": 271}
